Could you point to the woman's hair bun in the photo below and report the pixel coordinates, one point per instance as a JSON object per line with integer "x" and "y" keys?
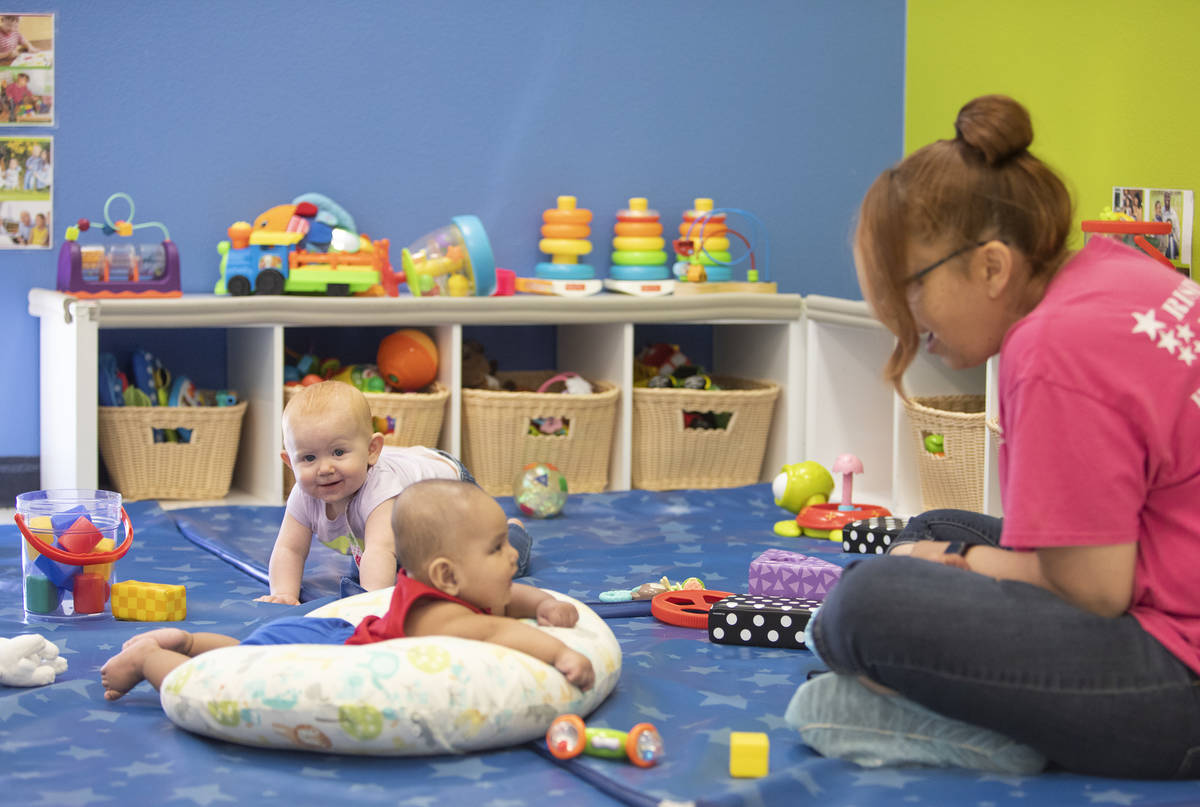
{"x": 996, "y": 126}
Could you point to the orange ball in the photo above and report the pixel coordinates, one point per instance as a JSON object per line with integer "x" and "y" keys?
{"x": 407, "y": 360}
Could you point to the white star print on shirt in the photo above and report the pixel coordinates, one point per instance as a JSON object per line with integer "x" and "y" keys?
{"x": 1148, "y": 324}
{"x": 1168, "y": 341}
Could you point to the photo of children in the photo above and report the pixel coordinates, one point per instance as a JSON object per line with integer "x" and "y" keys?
{"x": 26, "y": 192}
{"x": 26, "y": 69}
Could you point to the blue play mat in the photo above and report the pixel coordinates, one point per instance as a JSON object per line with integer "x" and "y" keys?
{"x": 65, "y": 745}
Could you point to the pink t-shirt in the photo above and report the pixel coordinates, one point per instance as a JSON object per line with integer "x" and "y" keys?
{"x": 1099, "y": 402}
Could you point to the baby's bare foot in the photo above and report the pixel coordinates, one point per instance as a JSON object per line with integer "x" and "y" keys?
{"x": 166, "y": 638}
{"x": 124, "y": 671}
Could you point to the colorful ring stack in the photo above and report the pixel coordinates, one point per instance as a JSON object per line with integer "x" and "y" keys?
{"x": 710, "y": 246}
{"x": 564, "y": 239}
{"x": 638, "y": 245}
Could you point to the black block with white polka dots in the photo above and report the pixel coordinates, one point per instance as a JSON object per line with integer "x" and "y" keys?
{"x": 871, "y": 536}
{"x": 753, "y": 619}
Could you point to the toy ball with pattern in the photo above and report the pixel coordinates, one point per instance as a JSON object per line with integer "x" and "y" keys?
{"x": 540, "y": 490}
{"x": 407, "y": 360}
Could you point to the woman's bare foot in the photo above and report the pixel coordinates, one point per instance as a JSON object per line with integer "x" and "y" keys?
{"x": 125, "y": 670}
{"x": 166, "y": 638}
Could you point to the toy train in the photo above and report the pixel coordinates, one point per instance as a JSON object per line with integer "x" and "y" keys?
{"x": 290, "y": 250}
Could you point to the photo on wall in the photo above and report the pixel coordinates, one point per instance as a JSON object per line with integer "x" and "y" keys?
{"x": 1171, "y": 205}
{"x": 26, "y": 69}
{"x": 26, "y": 192}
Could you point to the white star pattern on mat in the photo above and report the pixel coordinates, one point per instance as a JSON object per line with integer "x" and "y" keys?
{"x": 11, "y": 705}
{"x": 202, "y": 795}
{"x": 473, "y": 768}
{"x": 1011, "y": 781}
{"x": 418, "y": 801}
{"x": 884, "y": 777}
{"x": 1113, "y": 796}
{"x": 319, "y": 773}
{"x": 106, "y": 717}
{"x": 768, "y": 679}
{"x": 714, "y": 699}
{"x": 83, "y": 753}
{"x": 136, "y": 769}
{"x": 1148, "y": 324}
{"x": 70, "y": 798}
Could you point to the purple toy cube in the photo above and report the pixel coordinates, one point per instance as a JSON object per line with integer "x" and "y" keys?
{"x": 748, "y": 619}
{"x": 779, "y": 573}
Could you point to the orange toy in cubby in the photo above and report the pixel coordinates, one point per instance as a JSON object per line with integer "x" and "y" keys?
{"x": 407, "y": 360}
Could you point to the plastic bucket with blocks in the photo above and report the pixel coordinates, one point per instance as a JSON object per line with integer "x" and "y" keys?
{"x": 68, "y": 552}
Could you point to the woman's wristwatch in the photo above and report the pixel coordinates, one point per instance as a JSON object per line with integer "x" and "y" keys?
{"x": 958, "y": 548}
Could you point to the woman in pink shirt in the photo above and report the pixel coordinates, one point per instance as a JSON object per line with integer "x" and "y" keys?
{"x": 1069, "y": 631}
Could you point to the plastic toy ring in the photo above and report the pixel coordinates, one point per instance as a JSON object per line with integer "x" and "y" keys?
{"x": 706, "y": 228}
{"x": 556, "y": 215}
{"x": 638, "y": 229}
{"x": 687, "y": 608}
{"x": 566, "y": 231}
{"x": 639, "y": 258}
{"x": 630, "y": 242}
{"x": 564, "y": 271}
{"x": 565, "y": 246}
{"x": 639, "y": 273}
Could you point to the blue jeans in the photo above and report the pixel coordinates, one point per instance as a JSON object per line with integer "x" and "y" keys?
{"x": 1096, "y": 696}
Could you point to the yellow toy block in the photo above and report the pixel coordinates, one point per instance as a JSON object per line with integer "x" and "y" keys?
{"x": 148, "y": 602}
{"x": 748, "y": 754}
{"x": 102, "y": 569}
{"x": 42, "y": 529}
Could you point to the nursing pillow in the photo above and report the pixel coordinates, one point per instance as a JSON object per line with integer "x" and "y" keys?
{"x": 402, "y": 697}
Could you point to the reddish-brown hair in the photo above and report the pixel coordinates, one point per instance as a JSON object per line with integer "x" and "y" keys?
{"x": 984, "y": 184}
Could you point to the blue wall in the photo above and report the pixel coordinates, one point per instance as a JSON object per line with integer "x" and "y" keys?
{"x": 409, "y": 113}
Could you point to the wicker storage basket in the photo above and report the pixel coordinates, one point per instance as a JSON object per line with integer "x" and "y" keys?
{"x": 497, "y": 442}
{"x": 954, "y": 478}
{"x": 143, "y": 469}
{"x": 403, "y": 418}
{"x": 413, "y": 418}
{"x": 666, "y": 456}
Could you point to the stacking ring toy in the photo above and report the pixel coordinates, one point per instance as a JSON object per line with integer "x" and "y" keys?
{"x": 564, "y": 271}
{"x": 619, "y": 272}
{"x": 626, "y": 243}
{"x": 639, "y": 258}
{"x": 687, "y": 608}
{"x": 566, "y": 213}
{"x": 706, "y": 228}
{"x": 564, "y": 246}
{"x": 638, "y": 228}
{"x": 566, "y": 231}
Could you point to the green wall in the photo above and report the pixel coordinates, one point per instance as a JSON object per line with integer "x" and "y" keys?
{"x": 1111, "y": 85}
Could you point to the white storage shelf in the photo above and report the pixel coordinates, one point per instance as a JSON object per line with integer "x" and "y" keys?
{"x": 757, "y": 336}
{"x": 826, "y": 353}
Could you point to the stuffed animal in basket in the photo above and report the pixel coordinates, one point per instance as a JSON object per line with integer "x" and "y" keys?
{"x": 478, "y": 371}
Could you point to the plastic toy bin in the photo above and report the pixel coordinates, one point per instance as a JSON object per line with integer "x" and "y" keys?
{"x": 69, "y": 550}
{"x": 144, "y": 466}
{"x": 669, "y": 455}
{"x": 953, "y": 477}
{"x": 498, "y": 440}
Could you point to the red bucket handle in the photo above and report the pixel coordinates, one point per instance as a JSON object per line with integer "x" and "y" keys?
{"x": 73, "y": 559}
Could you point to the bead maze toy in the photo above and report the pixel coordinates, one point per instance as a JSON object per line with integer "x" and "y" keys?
{"x": 639, "y": 260}
{"x": 568, "y": 737}
{"x": 565, "y": 230}
{"x": 704, "y": 262}
{"x": 118, "y": 269}
{"x": 310, "y": 246}
{"x": 455, "y": 260}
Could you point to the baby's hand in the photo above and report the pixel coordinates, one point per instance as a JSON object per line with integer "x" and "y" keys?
{"x": 556, "y": 612}
{"x": 285, "y": 599}
{"x": 576, "y": 667}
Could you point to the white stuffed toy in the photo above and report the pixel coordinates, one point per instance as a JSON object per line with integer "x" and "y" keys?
{"x": 29, "y": 660}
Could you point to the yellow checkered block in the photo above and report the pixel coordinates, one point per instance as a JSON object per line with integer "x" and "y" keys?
{"x": 148, "y": 602}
